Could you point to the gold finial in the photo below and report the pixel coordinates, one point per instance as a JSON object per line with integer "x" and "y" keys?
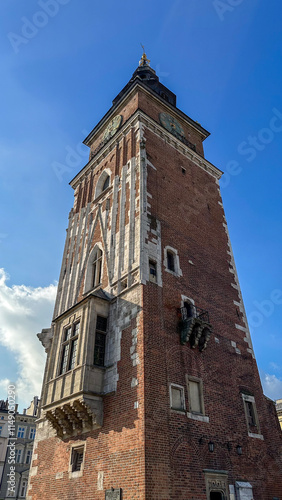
{"x": 144, "y": 60}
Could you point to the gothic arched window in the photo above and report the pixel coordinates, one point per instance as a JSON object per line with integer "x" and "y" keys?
{"x": 106, "y": 183}
{"x": 103, "y": 183}
{"x": 97, "y": 267}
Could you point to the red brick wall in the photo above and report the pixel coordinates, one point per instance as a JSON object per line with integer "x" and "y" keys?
{"x": 152, "y": 452}
{"x": 176, "y": 446}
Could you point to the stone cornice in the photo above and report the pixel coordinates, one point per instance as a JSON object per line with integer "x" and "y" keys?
{"x": 140, "y": 116}
{"x": 127, "y": 96}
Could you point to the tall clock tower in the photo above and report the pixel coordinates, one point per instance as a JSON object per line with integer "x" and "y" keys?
{"x": 151, "y": 389}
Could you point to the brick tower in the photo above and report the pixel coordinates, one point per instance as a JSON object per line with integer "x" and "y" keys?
{"x": 151, "y": 389}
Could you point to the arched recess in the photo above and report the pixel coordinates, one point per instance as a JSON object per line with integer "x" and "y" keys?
{"x": 94, "y": 270}
{"x": 217, "y": 495}
{"x": 103, "y": 182}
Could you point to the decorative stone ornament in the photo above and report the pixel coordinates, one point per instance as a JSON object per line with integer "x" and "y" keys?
{"x": 112, "y": 127}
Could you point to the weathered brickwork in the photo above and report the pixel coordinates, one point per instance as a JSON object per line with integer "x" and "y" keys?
{"x": 166, "y": 416}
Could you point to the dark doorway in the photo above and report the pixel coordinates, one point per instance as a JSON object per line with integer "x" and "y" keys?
{"x": 216, "y": 495}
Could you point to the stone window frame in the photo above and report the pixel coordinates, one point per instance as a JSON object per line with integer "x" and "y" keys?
{"x": 153, "y": 278}
{"x": 172, "y": 386}
{"x": 101, "y": 183}
{"x": 216, "y": 482}
{"x": 76, "y": 447}
{"x": 177, "y": 270}
{"x": 248, "y": 398}
{"x": 202, "y": 417}
{"x": 23, "y": 484}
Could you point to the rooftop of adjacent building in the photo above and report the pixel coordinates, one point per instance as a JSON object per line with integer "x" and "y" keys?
{"x": 279, "y": 404}
{"x": 32, "y": 410}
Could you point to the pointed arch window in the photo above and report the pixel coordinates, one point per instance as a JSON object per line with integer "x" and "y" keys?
{"x": 106, "y": 183}
{"x": 97, "y": 267}
{"x": 103, "y": 183}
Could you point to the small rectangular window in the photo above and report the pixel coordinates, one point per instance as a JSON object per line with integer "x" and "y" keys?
{"x": 152, "y": 271}
{"x": 251, "y": 413}
{"x": 77, "y": 459}
{"x": 170, "y": 261}
{"x": 195, "y": 394}
{"x": 177, "y": 400}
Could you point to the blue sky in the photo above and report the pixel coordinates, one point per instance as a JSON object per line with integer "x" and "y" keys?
{"x": 62, "y": 63}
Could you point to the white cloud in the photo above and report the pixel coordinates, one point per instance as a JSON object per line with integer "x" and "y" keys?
{"x": 24, "y": 311}
{"x": 272, "y": 386}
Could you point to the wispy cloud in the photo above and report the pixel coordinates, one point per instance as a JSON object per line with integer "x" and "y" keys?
{"x": 272, "y": 385}
{"x": 24, "y": 311}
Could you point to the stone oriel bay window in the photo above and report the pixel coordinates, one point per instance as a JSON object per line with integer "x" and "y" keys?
{"x": 73, "y": 396}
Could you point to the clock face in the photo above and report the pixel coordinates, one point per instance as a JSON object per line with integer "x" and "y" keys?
{"x": 112, "y": 127}
{"x": 171, "y": 124}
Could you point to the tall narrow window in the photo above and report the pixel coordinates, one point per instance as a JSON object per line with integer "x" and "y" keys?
{"x": 28, "y": 456}
{"x": 32, "y": 433}
{"x": 189, "y": 311}
{"x": 18, "y": 456}
{"x": 97, "y": 267}
{"x": 170, "y": 261}
{"x": 195, "y": 393}
{"x": 77, "y": 459}
{"x": 152, "y": 271}
{"x": 100, "y": 341}
{"x": 106, "y": 183}
{"x": 69, "y": 348}
{"x": 23, "y": 488}
{"x": 177, "y": 400}
{"x": 251, "y": 414}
